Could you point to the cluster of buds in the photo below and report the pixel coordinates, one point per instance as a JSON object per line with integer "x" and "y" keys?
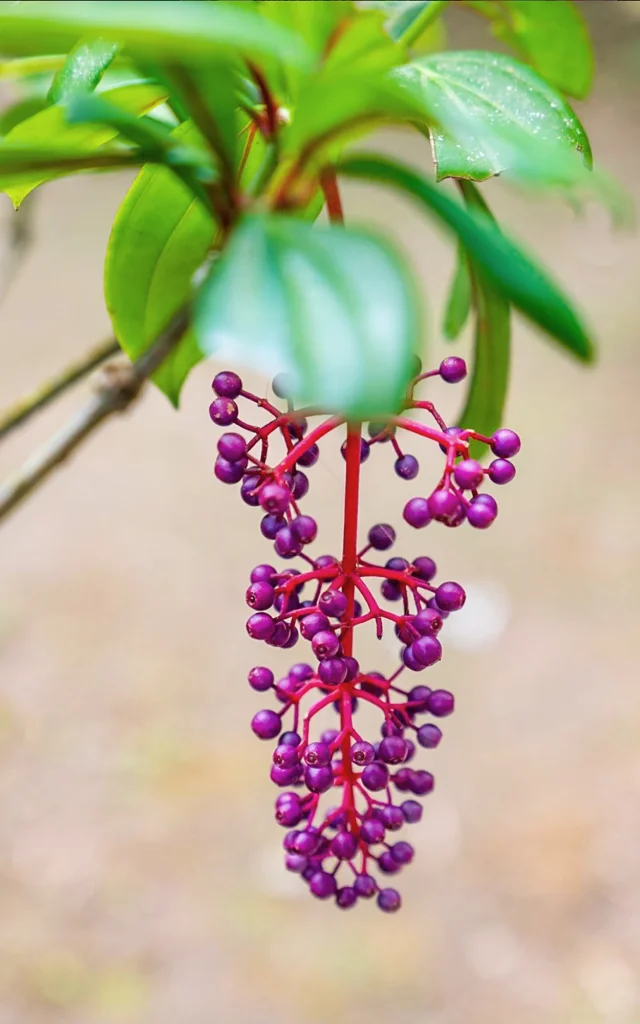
{"x": 344, "y": 797}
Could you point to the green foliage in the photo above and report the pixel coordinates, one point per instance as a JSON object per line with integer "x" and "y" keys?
{"x": 468, "y": 96}
{"x": 332, "y": 306}
{"x": 240, "y": 114}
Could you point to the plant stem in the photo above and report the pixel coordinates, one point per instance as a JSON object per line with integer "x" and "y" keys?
{"x": 43, "y": 395}
{"x": 329, "y": 183}
{"x": 120, "y": 389}
{"x": 350, "y": 534}
{"x": 430, "y": 13}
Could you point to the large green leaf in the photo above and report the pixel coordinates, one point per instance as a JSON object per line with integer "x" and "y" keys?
{"x": 185, "y": 30}
{"x": 504, "y": 263}
{"x": 552, "y": 36}
{"x": 487, "y": 392}
{"x": 160, "y": 236}
{"x": 332, "y": 306}
{"x": 472, "y": 99}
{"x": 20, "y": 162}
{"x": 49, "y": 127}
{"x": 83, "y": 68}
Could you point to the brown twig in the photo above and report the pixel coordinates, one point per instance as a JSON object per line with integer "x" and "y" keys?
{"x": 120, "y": 387}
{"x": 25, "y": 407}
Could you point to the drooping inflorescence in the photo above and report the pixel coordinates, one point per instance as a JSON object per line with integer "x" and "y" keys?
{"x": 344, "y": 796}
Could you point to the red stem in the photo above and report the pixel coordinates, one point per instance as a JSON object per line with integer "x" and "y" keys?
{"x": 349, "y": 564}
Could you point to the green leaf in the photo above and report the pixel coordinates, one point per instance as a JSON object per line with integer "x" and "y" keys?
{"x": 517, "y": 276}
{"x": 552, "y": 36}
{"x": 471, "y": 99}
{"x": 459, "y": 301}
{"x": 332, "y": 306}
{"x": 208, "y": 95}
{"x": 185, "y": 30}
{"x": 487, "y": 392}
{"x": 20, "y": 162}
{"x": 20, "y": 111}
{"x": 407, "y": 19}
{"x": 49, "y": 127}
{"x": 27, "y": 67}
{"x": 160, "y": 237}
{"x": 83, "y": 69}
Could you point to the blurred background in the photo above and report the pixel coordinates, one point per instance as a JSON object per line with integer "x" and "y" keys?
{"x": 140, "y": 865}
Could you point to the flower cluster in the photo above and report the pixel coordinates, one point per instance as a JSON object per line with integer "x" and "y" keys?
{"x": 345, "y": 797}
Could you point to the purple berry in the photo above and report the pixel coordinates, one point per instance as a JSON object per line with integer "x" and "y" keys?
{"x": 263, "y": 573}
{"x": 505, "y": 443}
{"x": 468, "y": 474}
{"x": 260, "y": 626}
{"x": 300, "y": 485}
{"x": 429, "y": 735}
{"x": 389, "y": 900}
{"x": 301, "y": 672}
{"x": 223, "y": 411}
{"x": 319, "y": 779}
{"x": 344, "y": 845}
{"x": 390, "y": 590}
{"x": 365, "y": 886}
{"x": 481, "y": 513}
{"x": 260, "y": 596}
{"x": 288, "y": 810}
{"x": 275, "y": 498}
{"x": 286, "y": 543}
{"x": 407, "y": 467}
{"x": 228, "y": 472}
{"x": 317, "y": 754}
{"x": 325, "y": 644}
{"x": 305, "y": 529}
{"x": 270, "y": 524}
{"x": 353, "y": 668}
{"x": 428, "y": 621}
{"x": 362, "y": 753}
{"x": 375, "y": 776}
{"x": 249, "y": 489}
{"x": 392, "y": 817}
{"x": 333, "y": 603}
{"x": 402, "y": 779}
{"x": 232, "y": 447}
{"x": 410, "y": 660}
{"x": 450, "y": 597}
{"x": 402, "y": 852}
{"x": 412, "y": 811}
{"x": 313, "y": 623}
{"x": 323, "y": 885}
{"x": 387, "y": 863}
{"x": 416, "y": 513}
{"x": 453, "y": 369}
{"x": 424, "y": 568}
{"x": 283, "y": 776}
{"x": 332, "y": 671}
{"x": 365, "y": 450}
{"x": 307, "y": 842}
{"x": 266, "y": 724}
{"x": 392, "y": 749}
{"x": 310, "y": 457}
{"x": 227, "y": 384}
{"x": 418, "y": 696}
{"x": 426, "y": 650}
{"x": 422, "y": 783}
{"x": 347, "y": 897}
{"x": 372, "y": 831}
{"x": 291, "y": 739}
{"x": 501, "y": 471}
{"x": 260, "y": 678}
{"x": 295, "y": 862}
{"x": 381, "y": 536}
{"x": 443, "y": 505}
{"x": 441, "y": 703}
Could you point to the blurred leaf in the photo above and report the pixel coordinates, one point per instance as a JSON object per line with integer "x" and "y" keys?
{"x": 553, "y": 37}
{"x": 20, "y": 111}
{"x": 83, "y": 69}
{"x": 208, "y": 96}
{"x": 468, "y": 98}
{"x": 363, "y": 46}
{"x": 185, "y": 30}
{"x": 518, "y": 277}
{"x": 487, "y": 392}
{"x": 50, "y": 127}
{"x": 459, "y": 301}
{"x": 405, "y": 17}
{"x": 333, "y": 307}
{"x": 26, "y": 67}
{"x": 160, "y": 237}
{"x": 21, "y": 162}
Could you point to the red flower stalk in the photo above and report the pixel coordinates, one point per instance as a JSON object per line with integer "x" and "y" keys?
{"x": 341, "y": 851}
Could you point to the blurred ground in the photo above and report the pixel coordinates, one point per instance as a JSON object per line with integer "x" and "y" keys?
{"x": 140, "y": 876}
